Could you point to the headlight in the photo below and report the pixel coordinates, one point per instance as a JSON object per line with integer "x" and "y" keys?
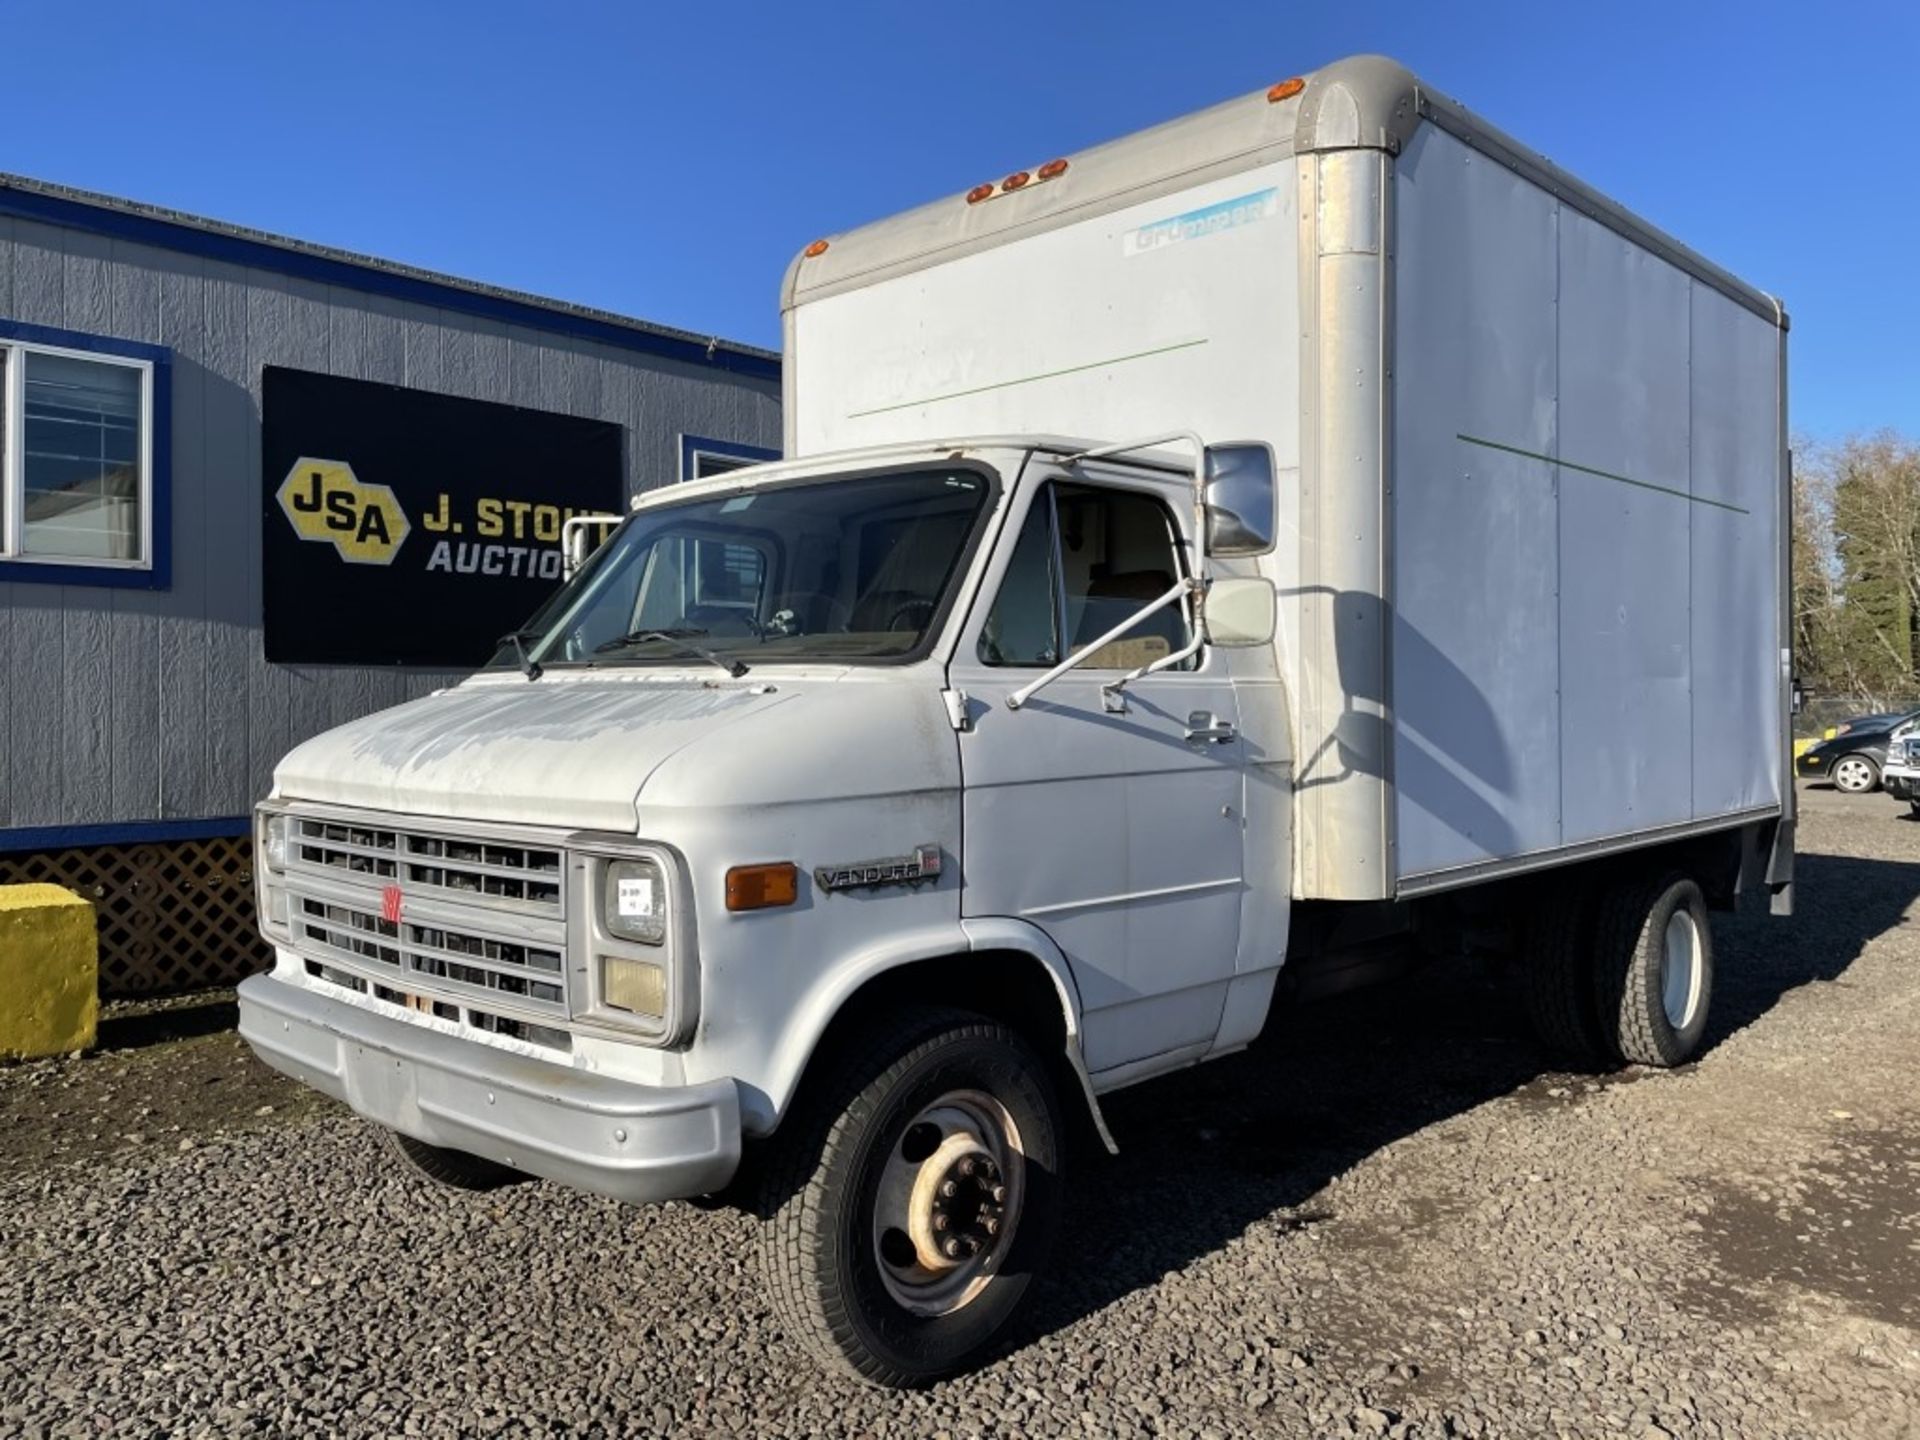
{"x": 272, "y": 831}
{"x": 634, "y": 902}
{"x": 635, "y": 943}
{"x": 634, "y": 985}
{"x": 273, "y": 841}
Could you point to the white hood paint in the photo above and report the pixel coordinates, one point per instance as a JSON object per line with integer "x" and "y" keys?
{"x": 560, "y": 750}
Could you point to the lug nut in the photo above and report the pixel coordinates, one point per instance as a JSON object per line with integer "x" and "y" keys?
{"x": 951, "y": 1249}
{"x": 940, "y": 1222}
{"x": 966, "y": 1166}
{"x": 999, "y": 1194}
{"x": 990, "y": 1225}
{"x": 948, "y": 1189}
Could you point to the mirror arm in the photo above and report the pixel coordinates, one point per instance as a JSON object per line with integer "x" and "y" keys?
{"x": 574, "y": 549}
{"x": 1155, "y": 442}
{"x": 1110, "y": 692}
{"x": 1032, "y": 687}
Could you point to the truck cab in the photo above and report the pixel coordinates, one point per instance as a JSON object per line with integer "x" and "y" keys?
{"x": 883, "y": 734}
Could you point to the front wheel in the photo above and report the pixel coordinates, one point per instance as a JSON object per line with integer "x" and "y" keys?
{"x": 910, "y": 1199}
{"x": 1855, "y": 774}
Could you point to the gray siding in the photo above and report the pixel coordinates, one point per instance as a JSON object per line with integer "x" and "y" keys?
{"x": 120, "y": 706}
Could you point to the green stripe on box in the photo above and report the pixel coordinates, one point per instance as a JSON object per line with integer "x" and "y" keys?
{"x": 1028, "y": 379}
{"x": 1603, "y": 474}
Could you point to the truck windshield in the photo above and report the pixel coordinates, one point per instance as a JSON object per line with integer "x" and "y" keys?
{"x": 847, "y": 569}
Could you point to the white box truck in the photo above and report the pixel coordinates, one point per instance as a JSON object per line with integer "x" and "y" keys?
{"x": 1312, "y": 530}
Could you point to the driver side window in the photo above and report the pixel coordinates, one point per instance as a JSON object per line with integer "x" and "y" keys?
{"x": 1088, "y": 558}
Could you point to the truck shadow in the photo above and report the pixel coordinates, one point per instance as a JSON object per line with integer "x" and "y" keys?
{"x": 1251, "y": 1141}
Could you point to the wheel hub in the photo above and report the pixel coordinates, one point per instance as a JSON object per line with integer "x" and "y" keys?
{"x": 1680, "y": 970}
{"x": 947, "y": 1201}
{"x": 959, "y": 1207}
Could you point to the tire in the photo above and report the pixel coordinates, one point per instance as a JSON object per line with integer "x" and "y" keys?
{"x": 1556, "y": 972}
{"x": 1856, "y": 774}
{"x": 1913, "y": 807}
{"x": 878, "y": 1139}
{"x": 1653, "y": 953}
{"x": 450, "y": 1169}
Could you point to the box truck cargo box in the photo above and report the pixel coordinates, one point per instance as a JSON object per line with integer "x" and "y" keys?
{"x": 1532, "y": 451}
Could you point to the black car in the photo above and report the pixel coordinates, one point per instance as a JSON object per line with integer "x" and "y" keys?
{"x": 1852, "y": 757}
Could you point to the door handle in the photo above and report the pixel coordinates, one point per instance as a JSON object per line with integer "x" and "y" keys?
{"x": 1206, "y": 727}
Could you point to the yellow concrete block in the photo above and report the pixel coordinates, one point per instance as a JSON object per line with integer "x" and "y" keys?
{"x": 49, "y": 971}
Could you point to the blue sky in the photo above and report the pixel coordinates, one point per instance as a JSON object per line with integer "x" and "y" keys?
{"x": 667, "y": 160}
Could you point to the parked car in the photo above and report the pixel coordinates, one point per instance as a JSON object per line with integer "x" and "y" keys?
{"x": 1866, "y": 722}
{"x": 1901, "y": 774}
{"x": 1855, "y": 755}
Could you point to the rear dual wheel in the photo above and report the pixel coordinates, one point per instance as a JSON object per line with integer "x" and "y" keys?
{"x": 911, "y": 1197}
{"x": 1654, "y": 949}
{"x": 1621, "y": 968}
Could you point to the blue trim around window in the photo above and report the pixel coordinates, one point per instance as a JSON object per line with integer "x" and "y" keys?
{"x": 691, "y": 443}
{"x": 140, "y": 832}
{"x": 158, "y": 575}
{"x": 374, "y": 280}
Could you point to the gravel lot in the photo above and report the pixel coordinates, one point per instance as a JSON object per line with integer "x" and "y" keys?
{"x": 1389, "y": 1218}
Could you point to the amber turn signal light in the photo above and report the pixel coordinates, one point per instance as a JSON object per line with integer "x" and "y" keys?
{"x": 1015, "y": 180}
{"x": 818, "y": 247}
{"x": 1053, "y": 168}
{"x": 979, "y": 193}
{"x": 761, "y": 887}
{"x": 1285, "y": 90}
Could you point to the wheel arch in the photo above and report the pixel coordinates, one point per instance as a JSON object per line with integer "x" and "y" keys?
{"x": 1003, "y": 968}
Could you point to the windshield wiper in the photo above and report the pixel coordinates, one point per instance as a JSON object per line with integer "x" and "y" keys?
{"x": 678, "y": 639}
{"x": 529, "y": 666}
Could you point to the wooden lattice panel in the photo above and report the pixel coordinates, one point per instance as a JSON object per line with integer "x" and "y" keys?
{"x": 173, "y": 916}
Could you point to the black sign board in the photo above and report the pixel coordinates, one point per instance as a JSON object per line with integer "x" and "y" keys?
{"x": 406, "y": 528}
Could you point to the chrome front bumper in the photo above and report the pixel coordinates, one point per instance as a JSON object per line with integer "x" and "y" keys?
{"x": 633, "y": 1142}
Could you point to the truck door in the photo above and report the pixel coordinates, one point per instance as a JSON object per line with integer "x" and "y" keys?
{"x": 1118, "y": 834}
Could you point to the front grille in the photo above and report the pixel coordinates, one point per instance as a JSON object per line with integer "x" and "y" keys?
{"x": 526, "y": 877}
{"x": 477, "y": 921}
{"x": 434, "y": 958}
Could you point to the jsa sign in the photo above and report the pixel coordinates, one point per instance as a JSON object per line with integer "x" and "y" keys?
{"x": 408, "y": 528}
{"x": 325, "y": 502}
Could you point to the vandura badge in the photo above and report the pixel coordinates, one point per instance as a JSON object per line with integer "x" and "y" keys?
{"x": 921, "y": 866}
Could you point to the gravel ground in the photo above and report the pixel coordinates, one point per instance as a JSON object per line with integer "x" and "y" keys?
{"x": 1389, "y": 1218}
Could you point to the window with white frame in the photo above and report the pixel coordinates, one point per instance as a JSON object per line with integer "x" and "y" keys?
{"x": 701, "y": 457}
{"x": 76, "y": 457}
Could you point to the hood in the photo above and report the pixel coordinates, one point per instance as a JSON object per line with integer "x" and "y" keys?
{"x": 560, "y": 750}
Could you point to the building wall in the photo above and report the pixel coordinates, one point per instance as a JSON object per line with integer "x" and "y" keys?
{"x": 121, "y": 706}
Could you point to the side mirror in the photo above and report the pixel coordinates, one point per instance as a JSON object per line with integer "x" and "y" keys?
{"x": 580, "y": 536}
{"x": 1240, "y": 612}
{"x": 1242, "y": 511}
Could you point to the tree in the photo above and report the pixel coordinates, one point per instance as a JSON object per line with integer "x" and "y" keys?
{"x": 1819, "y": 660}
{"x": 1856, "y": 520}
